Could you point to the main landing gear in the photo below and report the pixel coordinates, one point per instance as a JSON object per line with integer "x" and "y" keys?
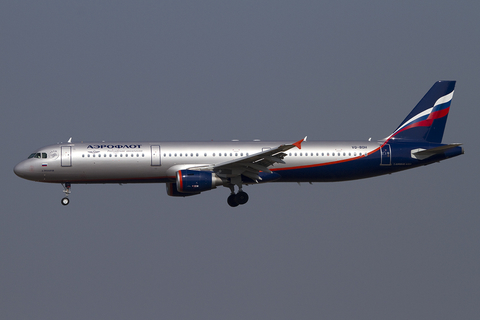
{"x": 67, "y": 190}
{"x": 234, "y": 199}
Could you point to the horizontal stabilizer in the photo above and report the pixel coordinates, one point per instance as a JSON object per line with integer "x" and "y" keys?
{"x": 422, "y": 154}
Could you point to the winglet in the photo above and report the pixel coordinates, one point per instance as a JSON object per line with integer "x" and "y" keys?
{"x": 298, "y": 144}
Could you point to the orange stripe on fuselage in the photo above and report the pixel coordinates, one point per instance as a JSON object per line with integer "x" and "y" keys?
{"x": 326, "y": 163}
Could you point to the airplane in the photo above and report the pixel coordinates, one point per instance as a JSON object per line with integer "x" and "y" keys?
{"x": 190, "y": 168}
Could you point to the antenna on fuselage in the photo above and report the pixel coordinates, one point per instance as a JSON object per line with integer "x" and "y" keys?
{"x": 70, "y": 140}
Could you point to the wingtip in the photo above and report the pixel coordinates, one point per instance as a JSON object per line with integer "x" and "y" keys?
{"x": 298, "y": 144}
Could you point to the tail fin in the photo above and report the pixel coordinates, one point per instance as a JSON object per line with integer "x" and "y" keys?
{"x": 427, "y": 120}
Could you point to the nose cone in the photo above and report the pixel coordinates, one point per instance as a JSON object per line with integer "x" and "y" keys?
{"x": 22, "y": 170}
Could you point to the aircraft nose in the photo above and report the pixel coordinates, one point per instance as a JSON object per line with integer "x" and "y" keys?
{"x": 21, "y": 169}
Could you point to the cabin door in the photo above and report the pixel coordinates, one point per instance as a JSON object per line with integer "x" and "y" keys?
{"x": 66, "y": 156}
{"x": 156, "y": 160}
{"x": 386, "y": 155}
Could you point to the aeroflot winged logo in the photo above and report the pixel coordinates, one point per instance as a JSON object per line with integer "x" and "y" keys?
{"x": 114, "y": 146}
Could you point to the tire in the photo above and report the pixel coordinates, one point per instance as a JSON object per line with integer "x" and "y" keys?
{"x": 241, "y": 197}
{"x": 65, "y": 201}
{"x": 231, "y": 200}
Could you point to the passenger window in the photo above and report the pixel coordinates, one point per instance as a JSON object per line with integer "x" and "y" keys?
{"x": 83, "y": 156}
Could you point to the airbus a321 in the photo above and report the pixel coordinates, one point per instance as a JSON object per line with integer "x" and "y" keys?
{"x": 190, "y": 168}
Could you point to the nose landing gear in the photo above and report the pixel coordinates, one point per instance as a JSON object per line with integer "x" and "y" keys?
{"x": 67, "y": 190}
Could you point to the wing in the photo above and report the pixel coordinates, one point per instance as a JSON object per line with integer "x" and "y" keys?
{"x": 251, "y": 165}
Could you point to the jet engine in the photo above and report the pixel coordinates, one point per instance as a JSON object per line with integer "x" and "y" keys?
{"x": 172, "y": 191}
{"x": 191, "y": 181}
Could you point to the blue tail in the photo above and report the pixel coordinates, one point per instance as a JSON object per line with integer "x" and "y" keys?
{"x": 427, "y": 120}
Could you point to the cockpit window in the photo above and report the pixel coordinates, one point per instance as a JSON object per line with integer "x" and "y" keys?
{"x": 38, "y": 155}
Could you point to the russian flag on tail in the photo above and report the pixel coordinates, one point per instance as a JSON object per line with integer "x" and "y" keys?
{"x": 427, "y": 120}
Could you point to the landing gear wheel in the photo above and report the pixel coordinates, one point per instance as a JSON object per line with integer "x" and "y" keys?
{"x": 65, "y": 201}
{"x": 231, "y": 200}
{"x": 67, "y": 190}
{"x": 241, "y": 197}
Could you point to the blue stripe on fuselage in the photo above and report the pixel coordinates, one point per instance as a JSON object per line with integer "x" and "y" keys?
{"x": 365, "y": 167}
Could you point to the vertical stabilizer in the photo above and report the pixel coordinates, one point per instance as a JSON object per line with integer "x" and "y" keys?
{"x": 427, "y": 120}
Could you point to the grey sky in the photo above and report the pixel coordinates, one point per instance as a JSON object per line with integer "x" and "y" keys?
{"x": 403, "y": 246}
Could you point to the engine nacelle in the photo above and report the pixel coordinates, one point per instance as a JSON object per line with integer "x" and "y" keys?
{"x": 172, "y": 191}
{"x": 191, "y": 181}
